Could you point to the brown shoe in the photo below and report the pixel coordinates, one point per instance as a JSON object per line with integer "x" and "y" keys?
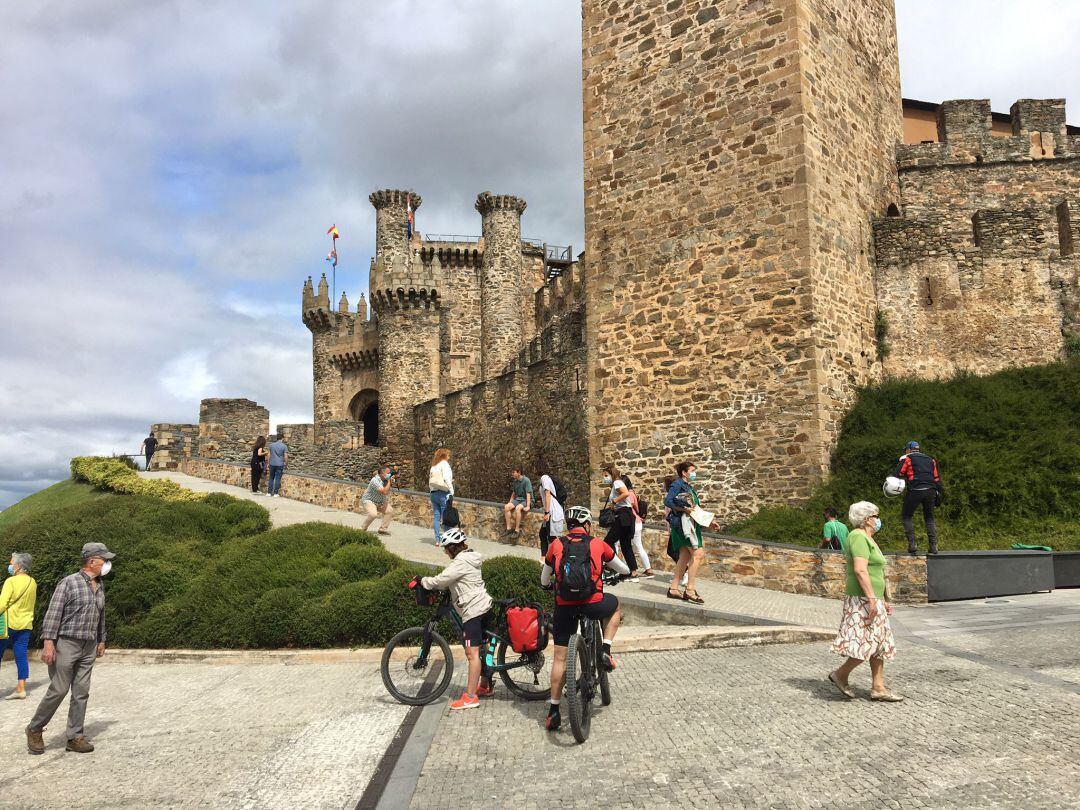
{"x": 34, "y": 743}
{"x": 80, "y": 745}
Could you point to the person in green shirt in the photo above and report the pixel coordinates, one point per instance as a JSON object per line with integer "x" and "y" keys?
{"x": 865, "y": 633}
{"x": 835, "y": 533}
{"x": 520, "y": 502}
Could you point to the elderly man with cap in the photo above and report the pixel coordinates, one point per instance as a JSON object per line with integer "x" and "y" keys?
{"x": 74, "y": 636}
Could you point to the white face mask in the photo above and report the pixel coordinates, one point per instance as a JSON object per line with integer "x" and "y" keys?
{"x": 106, "y": 567}
{"x": 607, "y": 480}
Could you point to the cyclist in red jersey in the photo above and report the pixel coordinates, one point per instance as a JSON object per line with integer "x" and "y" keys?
{"x": 595, "y": 604}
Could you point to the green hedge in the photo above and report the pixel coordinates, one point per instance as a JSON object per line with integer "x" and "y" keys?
{"x": 1008, "y": 446}
{"x": 212, "y": 574}
{"x": 118, "y": 475}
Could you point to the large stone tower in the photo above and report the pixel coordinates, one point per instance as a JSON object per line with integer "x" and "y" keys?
{"x": 735, "y": 153}
{"x": 501, "y": 315}
{"x": 405, "y": 297}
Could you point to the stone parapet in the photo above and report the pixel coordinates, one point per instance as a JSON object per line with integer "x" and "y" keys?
{"x": 175, "y": 443}
{"x": 228, "y": 428}
{"x": 759, "y": 564}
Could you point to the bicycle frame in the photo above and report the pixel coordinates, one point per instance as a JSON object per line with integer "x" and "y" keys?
{"x": 444, "y": 610}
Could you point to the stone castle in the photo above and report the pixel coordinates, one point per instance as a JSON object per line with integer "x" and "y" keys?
{"x": 760, "y": 242}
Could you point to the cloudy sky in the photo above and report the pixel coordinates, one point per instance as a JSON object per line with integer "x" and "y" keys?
{"x": 168, "y": 171}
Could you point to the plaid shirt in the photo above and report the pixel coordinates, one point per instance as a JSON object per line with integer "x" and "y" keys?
{"x": 76, "y": 610}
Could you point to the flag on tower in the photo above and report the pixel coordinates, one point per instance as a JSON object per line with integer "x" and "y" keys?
{"x": 409, "y": 223}
{"x": 333, "y": 232}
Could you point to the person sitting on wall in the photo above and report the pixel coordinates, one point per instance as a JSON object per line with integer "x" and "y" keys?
{"x": 834, "y": 534}
{"x": 520, "y": 502}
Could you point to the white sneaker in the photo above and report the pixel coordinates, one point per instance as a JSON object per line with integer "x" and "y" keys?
{"x": 16, "y": 696}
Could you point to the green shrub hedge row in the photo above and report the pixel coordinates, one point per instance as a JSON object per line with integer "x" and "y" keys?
{"x": 1008, "y": 446}
{"x": 211, "y": 574}
{"x": 116, "y": 475}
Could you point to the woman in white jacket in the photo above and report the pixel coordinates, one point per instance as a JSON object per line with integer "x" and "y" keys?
{"x": 441, "y": 486}
{"x": 472, "y": 603}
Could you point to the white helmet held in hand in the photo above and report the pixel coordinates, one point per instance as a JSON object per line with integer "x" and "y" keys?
{"x": 452, "y": 537}
{"x": 893, "y": 486}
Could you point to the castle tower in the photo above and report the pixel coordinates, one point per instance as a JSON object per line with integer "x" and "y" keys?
{"x": 324, "y": 325}
{"x": 404, "y": 294}
{"x": 731, "y": 300}
{"x": 501, "y": 325}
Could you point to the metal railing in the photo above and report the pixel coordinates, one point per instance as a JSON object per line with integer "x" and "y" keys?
{"x": 449, "y": 237}
{"x": 555, "y": 253}
{"x": 536, "y": 243}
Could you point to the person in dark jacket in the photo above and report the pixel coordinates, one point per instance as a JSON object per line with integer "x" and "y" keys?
{"x": 924, "y": 489}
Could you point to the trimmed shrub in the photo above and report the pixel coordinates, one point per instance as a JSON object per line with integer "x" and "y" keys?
{"x": 115, "y": 475}
{"x": 322, "y": 582}
{"x": 274, "y": 617}
{"x": 509, "y": 577}
{"x": 356, "y": 562}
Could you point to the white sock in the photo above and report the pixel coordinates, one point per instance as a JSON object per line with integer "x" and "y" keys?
{"x": 555, "y": 702}
{"x": 607, "y": 641}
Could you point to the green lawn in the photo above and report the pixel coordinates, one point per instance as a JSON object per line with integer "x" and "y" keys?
{"x": 66, "y": 493}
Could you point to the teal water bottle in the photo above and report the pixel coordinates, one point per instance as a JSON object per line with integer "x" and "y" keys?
{"x": 489, "y": 654}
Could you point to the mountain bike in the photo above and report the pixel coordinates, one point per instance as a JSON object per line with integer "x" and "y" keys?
{"x": 417, "y": 664}
{"x": 585, "y": 674}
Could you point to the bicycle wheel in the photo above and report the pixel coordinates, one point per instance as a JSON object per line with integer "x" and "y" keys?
{"x": 578, "y": 691}
{"x": 529, "y": 681}
{"x": 601, "y": 673}
{"x": 410, "y": 674}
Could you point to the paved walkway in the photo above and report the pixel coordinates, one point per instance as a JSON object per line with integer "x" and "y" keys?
{"x": 724, "y": 603}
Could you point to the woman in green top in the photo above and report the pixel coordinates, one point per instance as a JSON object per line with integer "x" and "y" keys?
{"x": 865, "y": 634}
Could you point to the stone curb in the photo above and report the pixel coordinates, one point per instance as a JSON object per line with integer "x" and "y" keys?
{"x": 631, "y": 640}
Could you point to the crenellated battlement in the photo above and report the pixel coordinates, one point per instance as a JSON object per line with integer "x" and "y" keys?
{"x": 404, "y": 285}
{"x": 965, "y": 137}
{"x": 562, "y": 293}
{"x": 486, "y": 203}
{"x": 393, "y": 197}
{"x": 453, "y": 255}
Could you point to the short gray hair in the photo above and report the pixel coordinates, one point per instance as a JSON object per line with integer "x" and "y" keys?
{"x": 23, "y": 560}
{"x": 859, "y": 512}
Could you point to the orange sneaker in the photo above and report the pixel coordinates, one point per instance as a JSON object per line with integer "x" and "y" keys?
{"x": 485, "y": 691}
{"x": 466, "y": 701}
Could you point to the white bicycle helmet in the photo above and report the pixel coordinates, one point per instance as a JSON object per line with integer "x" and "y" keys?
{"x": 453, "y": 536}
{"x": 893, "y": 486}
{"x": 578, "y": 515}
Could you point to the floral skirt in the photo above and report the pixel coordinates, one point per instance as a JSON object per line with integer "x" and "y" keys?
{"x": 860, "y": 640}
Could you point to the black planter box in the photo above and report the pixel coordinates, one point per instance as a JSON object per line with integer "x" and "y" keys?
{"x": 1067, "y": 569}
{"x": 977, "y": 574}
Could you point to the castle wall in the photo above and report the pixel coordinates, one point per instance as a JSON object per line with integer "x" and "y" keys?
{"x": 706, "y": 269}
{"x": 457, "y": 265}
{"x": 175, "y": 442}
{"x": 228, "y": 428}
{"x": 534, "y": 412}
{"x": 332, "y": 450}
{"x": 972, "y": 277}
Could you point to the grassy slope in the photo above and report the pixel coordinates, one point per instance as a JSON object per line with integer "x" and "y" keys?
{"x": 1008, "y": 446}
{"x": 65, "y": 493}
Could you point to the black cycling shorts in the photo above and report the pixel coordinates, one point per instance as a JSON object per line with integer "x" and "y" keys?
{"x": 472, "y": 631}
{"x": 565, "y": 622}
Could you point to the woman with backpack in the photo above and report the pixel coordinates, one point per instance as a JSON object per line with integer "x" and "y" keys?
{"x": 622, "y": 530}
{"x": 638, "y": 507}
{"x": 685, "y": 533}
{"x": 554, "y": 524}
{"x": 473, "y": 604}
{"x": 441, "y": 485}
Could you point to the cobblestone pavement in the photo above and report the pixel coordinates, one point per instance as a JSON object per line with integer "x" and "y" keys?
{"x": 761, "y": 727}
{"x": 415, "y": 543}
{"x": 199, "y": 735}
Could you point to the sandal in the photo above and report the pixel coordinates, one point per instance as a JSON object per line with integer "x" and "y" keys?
{"x": 384, "y": 531}
{"x": 847, "y": 691}
{"x": 886, "y": 696}
{"x": 674, "y": 594}
{"x": 696, "y": 599}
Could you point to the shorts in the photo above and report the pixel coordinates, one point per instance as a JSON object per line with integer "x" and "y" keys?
{"x": 472, "y": 631}
{"x": 518, "y": 501}
{"x": 565, "y": 622}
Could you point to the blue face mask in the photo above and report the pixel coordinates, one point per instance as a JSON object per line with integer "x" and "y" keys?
{"x": 877, "y": 524}
{"x": 607, "y": 480}
{"x": 693, "y": 476}
{"x": 11, "y": 569}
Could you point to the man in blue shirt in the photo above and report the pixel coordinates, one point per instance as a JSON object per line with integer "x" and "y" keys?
{"x": 279, "y": 460}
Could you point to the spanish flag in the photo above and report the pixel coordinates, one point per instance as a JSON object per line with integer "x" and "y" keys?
{"x": 333, "y": 232}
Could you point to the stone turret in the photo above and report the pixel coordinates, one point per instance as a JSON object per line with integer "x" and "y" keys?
{"x": 500, "y": 281}
{"x": 405, "y": 295}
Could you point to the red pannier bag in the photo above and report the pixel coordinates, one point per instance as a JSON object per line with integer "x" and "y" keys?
{"x": 527, "y": 628}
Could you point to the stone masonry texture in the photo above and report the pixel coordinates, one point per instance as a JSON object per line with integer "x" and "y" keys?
{"x": 500, "y": 286}
{"x": 728, "y": 283}
{"x": 228, "y": 428}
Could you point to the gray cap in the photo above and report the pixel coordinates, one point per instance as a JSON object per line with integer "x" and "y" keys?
{"x": 96, "y": 550}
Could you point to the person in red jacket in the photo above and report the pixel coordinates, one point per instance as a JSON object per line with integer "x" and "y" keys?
{"x": 924, "y": 489}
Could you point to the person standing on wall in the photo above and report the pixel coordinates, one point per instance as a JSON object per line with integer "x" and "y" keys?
{"x": 834, "y": 533}
{"x": 622, "y": 530}
{"x": 74, "y": 635}
{"x": 149, "y": 445}
{"x": 638, "y": 506}
{"x": 520, "y": 501}
{"x": 17, "y": 599}
{"x": 376, "y": 499}
{"x": 924, "y": 489}
{"x": 279, "y": 461}
{"x": 258, "y": 458}
{"x": 441, "y": 486}
{"x": 553, "y": 494}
